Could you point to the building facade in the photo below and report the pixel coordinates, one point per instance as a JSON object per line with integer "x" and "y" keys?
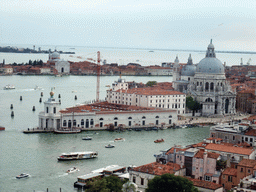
{"x": 206, "y": 82}
{"x": 156, "y": 97}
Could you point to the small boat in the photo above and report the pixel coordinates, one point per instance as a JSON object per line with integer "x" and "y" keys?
{"x": 109, "y": 146}
{"x": 7, "y": 87}
{"x": 107, "y": 85}
{"x": 183, "y": 126}
{"x": 119, "y": 139}
{"x": 2, "y": 128}
{"x": 72, "y": 170}
{"x": 87, "y": 138}
{"x": 159, "y": 140}
{"x": 38, "y": 88}
{"x": 22, "y": 175}
{"x": 67, "y": 131}
{"x": 77, "y": 156}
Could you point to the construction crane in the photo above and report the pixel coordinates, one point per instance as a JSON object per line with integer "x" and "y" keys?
{"x": 248, "y": 62}
{"x": 98, "y": 78}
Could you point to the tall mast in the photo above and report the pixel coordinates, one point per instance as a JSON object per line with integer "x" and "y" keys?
{"x": 98, "y": 78}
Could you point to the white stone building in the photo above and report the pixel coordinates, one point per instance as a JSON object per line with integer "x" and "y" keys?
{"x": 206, "y": 82}
{"x": 146, "y": 97}
{"x": 159, "y": 71}
{"x": 61, "y": 66}
{"x": 102, "y": 115}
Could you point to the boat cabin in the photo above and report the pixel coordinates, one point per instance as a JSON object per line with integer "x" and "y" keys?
{"x": 82, "y": 180}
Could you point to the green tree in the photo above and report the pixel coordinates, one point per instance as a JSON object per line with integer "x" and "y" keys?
{"x": 129, "y": 187}
{"x": 192, "y": 104}
{"x": 106, "y": 184}
{"x": 170, "y": 183}
{"x": 151, "y": 83}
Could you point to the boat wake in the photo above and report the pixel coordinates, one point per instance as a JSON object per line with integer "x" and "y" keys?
{"x": 63, "y": 175}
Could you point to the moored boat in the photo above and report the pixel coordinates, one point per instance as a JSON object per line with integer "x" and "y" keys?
{"x": 119, "y": 139}
{"x": 87, "y": 138}
{"x": 22, "y": 175}
{"x": 159, "y": 140}
{"x": 72, "y": 170}
{"x": 67, "y": 131}
{"x": 77, "y": 155}
{"x": 7, "y": 87}
{"x": 2, "y": 128}
{"x": 109, "y": 146}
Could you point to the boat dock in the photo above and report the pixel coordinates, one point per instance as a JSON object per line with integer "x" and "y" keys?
{"x": 37, "y": 130}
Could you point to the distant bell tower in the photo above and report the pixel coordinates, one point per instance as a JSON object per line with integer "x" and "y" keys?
{"x": 176, "y": 70}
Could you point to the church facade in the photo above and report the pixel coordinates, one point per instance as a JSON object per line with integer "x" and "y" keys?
{"x": 206, "y": 83}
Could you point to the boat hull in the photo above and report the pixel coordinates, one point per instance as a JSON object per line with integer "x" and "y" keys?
{"x": 71, "y": 159}
{"x": 66, "y": 132}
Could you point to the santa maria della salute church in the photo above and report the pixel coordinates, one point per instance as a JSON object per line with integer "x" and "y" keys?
{"x": 206, "y": 83}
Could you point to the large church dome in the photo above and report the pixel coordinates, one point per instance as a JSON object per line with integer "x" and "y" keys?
{"x": 210, "y": 64}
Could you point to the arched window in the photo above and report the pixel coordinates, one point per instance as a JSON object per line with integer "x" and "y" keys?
{"x": 129, "y": 117}
{"x": 170, "y": 116}
{"x": 91, "y": 122}
{"x": 82, "y": 122}
{"x": 69, "y": 123}
{"x": 157, "y": 117}
{"x": 64, "y": 123}
{"x": 206, "y": 86}
{"x": 208, "y": 100}
{"x": 211, "y": 86}
{"x": 74, "y": 122}
{"x": 143, "y": 117}
{"x": 115, "y": 118}
{"x": 101, "y": 119}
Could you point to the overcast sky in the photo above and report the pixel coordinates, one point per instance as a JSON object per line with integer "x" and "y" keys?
{"x": 163, "y": 24}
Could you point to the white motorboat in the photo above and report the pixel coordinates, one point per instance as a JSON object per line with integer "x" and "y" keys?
{"x": 72, "y": 170}
{"x": 22, "y": 175}
{"x": 77, "y": 155}
{"x": 7, "y": 87}
{"x": 109, "y": 146}
{"x": 38, "y": 88}
{"x": 87, "y": 138}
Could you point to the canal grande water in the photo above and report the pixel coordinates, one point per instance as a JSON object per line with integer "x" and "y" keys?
{"x": 37, "y": 154}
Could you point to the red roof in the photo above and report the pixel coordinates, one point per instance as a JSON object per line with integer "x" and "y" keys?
{"x": 248, "y": 163}
{"x": 230, "y": 171}
{"x": 230, "y": 149}
{"x": 156, "y": 168}
{"x": 205, "y": 184}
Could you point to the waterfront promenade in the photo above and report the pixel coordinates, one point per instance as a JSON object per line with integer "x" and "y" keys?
{"x": 212, "y": 120}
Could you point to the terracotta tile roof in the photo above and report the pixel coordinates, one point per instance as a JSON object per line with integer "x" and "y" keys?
{"x": 171, "y": 151}
{"x": 230, "y": 171}
{"x": 251, "y": 132}
{"x": 200, "y": 155}
{"x": 205, "y": 184}
{"x": 230, "y": 149}
{"x": 248, "y": 163}
{"x": 105, "y": 107}
{"x": 156, "y": 168}
{"x": 251, "y": 118}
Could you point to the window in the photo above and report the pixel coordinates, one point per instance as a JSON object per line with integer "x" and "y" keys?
{"x": 82, "y": 122}
{"x": 101, "y": 119}
{"x": 115, "y": 118}
{"x": 142, "y": 181}
{"x": 134, "y": 179}
{"x": 242, "y": 170}
{"x": 54, "y": 109}
{"x": 47, "y": 110}
{"x": 234, "y": 138}
{"x": 64, "y": 123}
{"x": 74, "y": 122}
{"x": 249, "y": 171}
{"x": 207, "y": 178}
{"x": 91, "y": 122}
{"x": 230, "y": 178}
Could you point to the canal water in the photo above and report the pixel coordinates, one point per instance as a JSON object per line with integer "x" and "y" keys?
{"x": 37, "y": 154}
